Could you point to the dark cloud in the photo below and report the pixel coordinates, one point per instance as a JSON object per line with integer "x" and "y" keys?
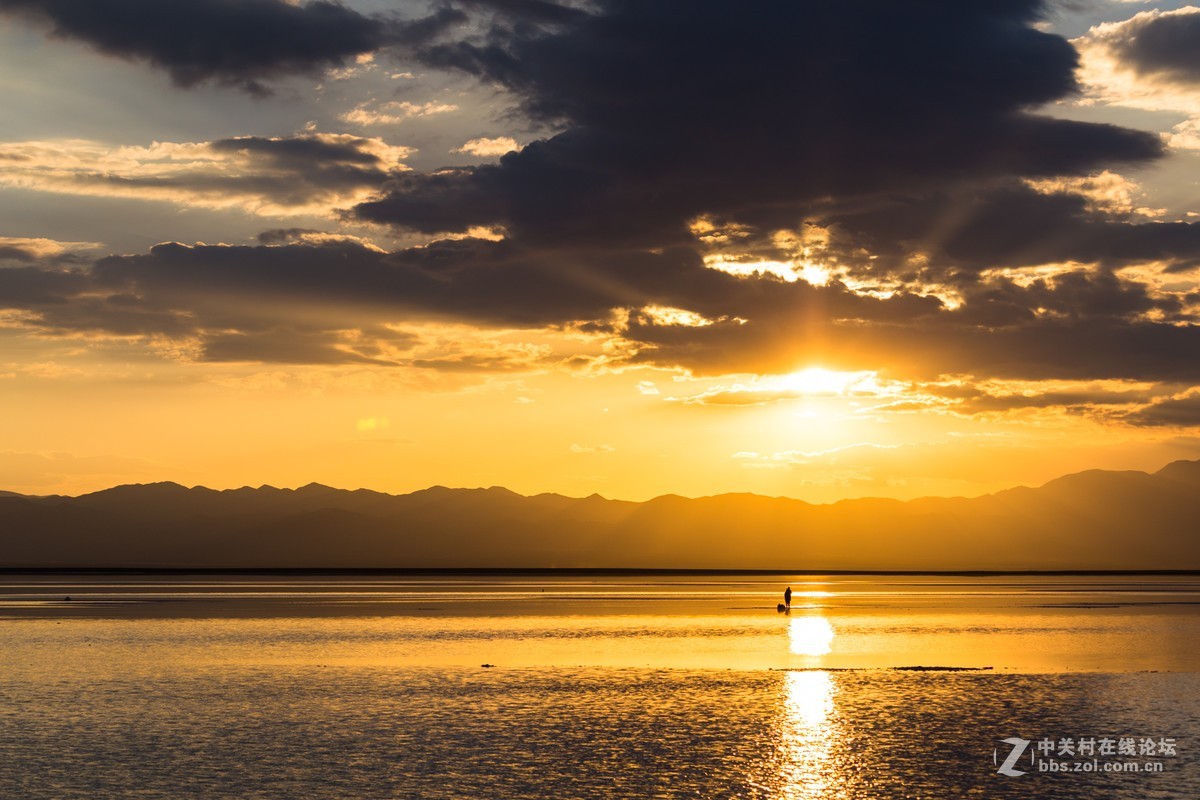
{"x": 23, "y": 287}
{"x": 225, "y": 301}
{"x": 1102, "y": 341}
{"x": 296, "y": 152}
{"x": 1173, "y": 412}
{"x": 420, "y": 31}
{"x": 1038, "y": 350}
{"x": 296, "y": 170}
{"x": 537, "y": 11}
{"x": 446, "y": 200}
{"x": 284, "y": 235}
{"x": 1082, "y": 325}
{"x": 493, "y": 283}
{"x": 1077, "y": 295}
{"x": 121, "y": 315}
{"x": 1160, "y": 44}
{"x": 1073, "y": 349}
{"x": 245, "y": 44}
{"x": 960, "y": 398}
{"x": 14, "y": 252}
{"x": 286, "y": 345}
{"x": 973, "y": 398}
{"x": 472, "y": 364}
{"x": 486, "y": 282}
{"x": 661, "y": 124}
{"x": 234, "y": 286}
{"x": 903, "y": 129}
{"x": 1005, "y": 224}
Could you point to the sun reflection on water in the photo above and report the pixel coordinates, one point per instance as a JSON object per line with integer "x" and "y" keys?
{"x": 809, "y": 698}
{"x": 810, "y": 636}
{"x": 808, "y": 734}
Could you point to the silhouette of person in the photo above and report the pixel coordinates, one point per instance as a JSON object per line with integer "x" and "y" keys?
{"x": 787, "y": 597}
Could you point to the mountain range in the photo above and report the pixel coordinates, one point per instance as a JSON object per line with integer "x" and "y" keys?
{"x": 1093, "y": 520}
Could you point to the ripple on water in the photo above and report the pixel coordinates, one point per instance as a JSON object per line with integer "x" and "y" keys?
{"x": 603, "y": 733}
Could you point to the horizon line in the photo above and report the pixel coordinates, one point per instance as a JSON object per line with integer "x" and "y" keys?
{"x": 570, "y": 570}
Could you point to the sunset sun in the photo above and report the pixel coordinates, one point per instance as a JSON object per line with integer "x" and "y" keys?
{"x": 818, "y": 381}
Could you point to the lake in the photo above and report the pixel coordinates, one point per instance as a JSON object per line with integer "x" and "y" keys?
{"x": 597, "y": 686}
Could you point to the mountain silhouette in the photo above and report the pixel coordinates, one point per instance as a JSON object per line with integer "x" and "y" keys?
{"x": 1096, "y": 519}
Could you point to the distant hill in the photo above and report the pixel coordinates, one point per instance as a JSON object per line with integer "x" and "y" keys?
{"x": 1089, "y": 520}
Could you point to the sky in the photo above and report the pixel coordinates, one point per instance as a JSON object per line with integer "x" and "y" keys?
{"x": 820, "y": 250}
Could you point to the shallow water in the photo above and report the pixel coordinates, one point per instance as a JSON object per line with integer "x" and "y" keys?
{"x": 630, "y": 686}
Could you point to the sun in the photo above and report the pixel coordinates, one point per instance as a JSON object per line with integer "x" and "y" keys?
{"x": 818, "y": 381}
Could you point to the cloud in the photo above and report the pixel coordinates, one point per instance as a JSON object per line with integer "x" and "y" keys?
{"x": 580, "y": 449}
{"x": 1185, "y": 135}
{"x": 878, "y": 112}
{"x": 303, "y": 174}
{"x": 1183, "y": 411}
{"x": 805, "y": 384}
{"x": 739, "y": 395}
{"x": 286, "y": 235}
{"x": 890, "y": 209}
{"x": 1005, "y": 224}
{"x": 293, "y": 345}
{"x": 485, "y": 147}
{"x": 29, "y": 250}
{"x": 325, "y": 300}
{"x": 1080, "y": 324}
{"x": 1100, "y": 398}
{"x": 1105, "y": 193}
{"x": 179, "y": 294}
{"x": 245, "y": 44}
{"x": 1148, "y": 61}
{"x": 516, "y": 360}
{"x": 394, "y": 112}
{"x": 872, "y": 397}
{"x": 280, "y": 236}
{"x": 925, "y": 181}
{"x": 536, "y": 11}
{"x": 25, "y": 288}
{"x": 1155, "y": 43}
{"x": 1079, "y": 349}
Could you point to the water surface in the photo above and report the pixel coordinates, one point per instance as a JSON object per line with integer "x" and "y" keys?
{"x": 634, "y": 686}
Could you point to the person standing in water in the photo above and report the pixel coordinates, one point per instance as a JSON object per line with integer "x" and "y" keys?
{"x": 787, "y": 597}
